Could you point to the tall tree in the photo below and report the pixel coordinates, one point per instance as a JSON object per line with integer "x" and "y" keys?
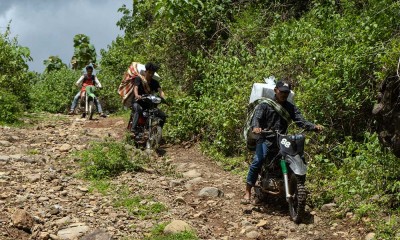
{"x": 54, "y": 63}
{"x": 84, "y": 52}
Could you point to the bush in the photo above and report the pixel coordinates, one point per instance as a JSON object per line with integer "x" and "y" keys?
{"x": 10, "y": 107}
{"x": 14, "y": 78}
{"x": 55, "y": 90}
{"x": 359, "y": 177}
{"x": 108, "y": 159}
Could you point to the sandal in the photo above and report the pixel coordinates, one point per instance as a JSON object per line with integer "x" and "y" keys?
{"x": 245, "y": 201}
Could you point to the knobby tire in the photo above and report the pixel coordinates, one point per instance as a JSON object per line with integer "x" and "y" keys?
{"x": 91, "y": 108}
{"x": 297, "y": 204}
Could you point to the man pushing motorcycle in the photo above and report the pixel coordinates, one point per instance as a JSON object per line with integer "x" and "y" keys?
{"x": 272, "y": 115}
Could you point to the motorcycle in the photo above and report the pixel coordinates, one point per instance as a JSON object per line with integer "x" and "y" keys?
{"x": 149, "y": 130}
{"x": 284, "y": 174}
{"x": 87, "y": 103}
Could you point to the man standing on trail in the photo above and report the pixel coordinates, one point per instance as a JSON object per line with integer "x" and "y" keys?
{"x": 87, "y": 79}
{"x": 266, "y": 117}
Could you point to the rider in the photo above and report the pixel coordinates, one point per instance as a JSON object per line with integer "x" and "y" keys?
{"x": 145, "y": 85}
{"x": 87, "y": 79}
{"x": 266, "y": 117}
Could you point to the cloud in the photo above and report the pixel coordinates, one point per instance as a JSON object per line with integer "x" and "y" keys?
{"x": 48, "y": 27}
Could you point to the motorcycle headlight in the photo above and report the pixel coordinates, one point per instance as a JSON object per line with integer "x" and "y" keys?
{"x": 155, "y": 99}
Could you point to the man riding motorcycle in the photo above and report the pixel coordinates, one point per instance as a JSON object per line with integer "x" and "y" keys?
{"x": 267, "y": 117}
{"x": 85, "y": 80}
{"x": 138, "y": 84}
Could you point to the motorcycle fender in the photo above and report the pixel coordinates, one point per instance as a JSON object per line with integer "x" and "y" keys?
{"x": 90, "y": 91}
{"x": 155, "y": 121}
{"x": 297, "y": 164}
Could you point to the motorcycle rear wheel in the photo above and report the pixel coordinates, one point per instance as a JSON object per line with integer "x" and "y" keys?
{"x": 297, "y": 203}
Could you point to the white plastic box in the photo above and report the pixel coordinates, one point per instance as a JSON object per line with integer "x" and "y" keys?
{"x": 266, "y": 90}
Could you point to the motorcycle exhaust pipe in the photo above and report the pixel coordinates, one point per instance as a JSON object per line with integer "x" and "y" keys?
{"x": 272, "y": 192}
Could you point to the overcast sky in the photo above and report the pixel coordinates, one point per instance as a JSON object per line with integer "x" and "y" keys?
{"x": 47, "y": 27}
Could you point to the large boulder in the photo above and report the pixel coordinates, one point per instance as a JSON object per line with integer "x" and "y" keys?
{"x": 177, "y": 226}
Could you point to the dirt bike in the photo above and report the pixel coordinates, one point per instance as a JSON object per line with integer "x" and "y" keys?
{"x": 284, "y": 173}
{"x": 149, "y": 130}
{"x": 86, "y": 103}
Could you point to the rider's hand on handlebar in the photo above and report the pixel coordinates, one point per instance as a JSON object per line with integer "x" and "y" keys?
{"x": 257, "y": 130}
{"x": 319, "y": 128}
{"x": 138, "y": 97}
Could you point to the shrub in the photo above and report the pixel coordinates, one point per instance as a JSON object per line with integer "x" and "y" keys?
{"x": 14, "y": 77}
{"x": 108, "y": 159}
{"x": 55, "y": 90}
{"x": 10, "y": 107}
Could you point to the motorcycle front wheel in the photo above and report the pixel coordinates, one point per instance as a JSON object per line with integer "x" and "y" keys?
{"x": 91, "y": 109}
{"x": 155, "y": 136}
{"x": 297, "y": 202}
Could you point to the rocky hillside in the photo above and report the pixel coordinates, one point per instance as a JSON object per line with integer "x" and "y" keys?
{"x": 43, "y": 198}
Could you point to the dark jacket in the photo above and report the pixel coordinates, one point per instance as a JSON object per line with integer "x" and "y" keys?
{"x": 266, "y": 117}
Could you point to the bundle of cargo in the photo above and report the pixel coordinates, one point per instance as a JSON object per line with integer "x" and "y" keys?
{"x": 125, "y": 89}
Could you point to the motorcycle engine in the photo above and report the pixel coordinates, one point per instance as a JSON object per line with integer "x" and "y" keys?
{"x": 271, "y": 184}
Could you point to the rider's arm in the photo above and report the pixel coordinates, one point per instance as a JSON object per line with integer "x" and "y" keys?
{"x": 136, "y": 82}
{"x": 259, "y": 112}
{"x": 161, "y": 92}
{"x": 79, "y": 82}
{"x": 97, "y": 82}
{"x": 301, "y": 122}
{"x": 136, "y": 92}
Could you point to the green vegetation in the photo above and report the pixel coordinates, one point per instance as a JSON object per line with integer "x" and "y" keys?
{"x": 140, "y": 206}
{"x": 84, "y": 52}
{"x": 104, "y": 161}
{"x": 54, "y": 63}
{"x": 54, "y": 91}
{"x": 336, "y": 53}
{"x": 361, "y": 178}
{"x": 14, "y": 78}
{"x": 107, "y": 159}
{"x": 100, "y": 185}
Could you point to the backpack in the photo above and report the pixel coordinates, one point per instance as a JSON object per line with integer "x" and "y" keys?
{"x": 250, "y": 137}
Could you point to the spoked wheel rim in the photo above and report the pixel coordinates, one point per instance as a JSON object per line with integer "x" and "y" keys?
{"x": 154, "y": 137}
{"x": 297, "y": 202}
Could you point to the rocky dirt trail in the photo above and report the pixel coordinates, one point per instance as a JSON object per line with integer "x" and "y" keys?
{"x": 41, "y": 197}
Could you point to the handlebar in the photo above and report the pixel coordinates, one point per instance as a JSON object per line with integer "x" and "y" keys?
{"x": 148, "y": 96}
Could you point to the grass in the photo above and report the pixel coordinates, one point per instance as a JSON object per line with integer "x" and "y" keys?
{"x": 138, "y": 205}
{"x": 102, "y": 186}
{"x": 34, "y": 151}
